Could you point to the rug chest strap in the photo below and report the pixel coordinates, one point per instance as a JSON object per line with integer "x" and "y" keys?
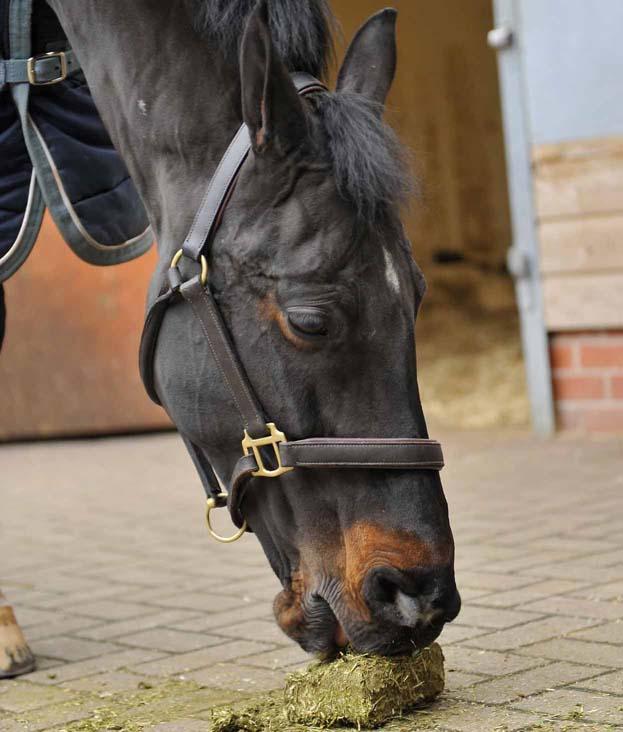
{"x": 42, "y": 70}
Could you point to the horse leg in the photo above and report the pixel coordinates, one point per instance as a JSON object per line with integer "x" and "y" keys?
{"x": 15, "y": 656}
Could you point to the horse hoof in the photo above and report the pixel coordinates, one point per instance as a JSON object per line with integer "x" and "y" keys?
{"x": 15, "y": 656}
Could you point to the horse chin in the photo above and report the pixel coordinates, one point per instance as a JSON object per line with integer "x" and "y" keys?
{"x": 399, "y": 641}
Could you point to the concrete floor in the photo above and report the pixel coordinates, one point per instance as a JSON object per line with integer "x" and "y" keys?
{"x": 132, "y": 611}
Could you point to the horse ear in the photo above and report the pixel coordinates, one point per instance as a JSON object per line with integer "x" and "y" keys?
{"x": 271, "y": 106}
{"x": 370, "y": 62}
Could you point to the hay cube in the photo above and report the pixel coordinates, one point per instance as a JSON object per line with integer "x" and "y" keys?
{"x": 354, "y": 690}
{"x": 364, "y": 691}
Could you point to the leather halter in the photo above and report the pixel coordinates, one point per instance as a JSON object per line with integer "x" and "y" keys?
{"x": 267, "y": 452}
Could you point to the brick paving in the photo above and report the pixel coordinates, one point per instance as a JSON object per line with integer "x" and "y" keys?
{"x": 139, "y": 621}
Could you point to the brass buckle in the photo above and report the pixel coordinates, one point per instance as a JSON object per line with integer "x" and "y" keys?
{"x": 32, "y": 73}
{"x": 204, "y": 265}
{"x": 274, "y": 438}
{"x": 210, "y": 506}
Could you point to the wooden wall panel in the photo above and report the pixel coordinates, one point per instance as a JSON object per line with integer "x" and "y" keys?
{"x": 579, "y": 178}
{"x": 579, "y": 197}
{"x": 589, "y": 244}
{"x": 583, "y": 301}
{"x": 69, "y": 364}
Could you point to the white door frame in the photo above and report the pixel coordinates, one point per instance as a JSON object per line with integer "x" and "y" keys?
{"x": 523, "y": 256}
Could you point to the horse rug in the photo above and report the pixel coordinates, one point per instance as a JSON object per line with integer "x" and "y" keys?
{"x": 55, "y": 152}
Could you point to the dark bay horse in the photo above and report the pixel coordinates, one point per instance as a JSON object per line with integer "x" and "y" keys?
{"x": 313, "y": 274}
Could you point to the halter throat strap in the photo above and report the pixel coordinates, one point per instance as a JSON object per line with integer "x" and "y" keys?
{"x": 267, "y": 452}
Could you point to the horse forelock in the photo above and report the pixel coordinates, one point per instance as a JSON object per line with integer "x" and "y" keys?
{"x": 370, "y": 165}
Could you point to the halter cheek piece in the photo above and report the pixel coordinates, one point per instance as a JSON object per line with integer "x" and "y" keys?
{"x": 267, "y": 453}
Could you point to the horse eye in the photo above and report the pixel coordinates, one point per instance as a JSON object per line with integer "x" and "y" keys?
{"x": 308, "y": 322}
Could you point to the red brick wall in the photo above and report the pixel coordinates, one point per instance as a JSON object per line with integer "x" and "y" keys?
{"x": 587, "y": 371}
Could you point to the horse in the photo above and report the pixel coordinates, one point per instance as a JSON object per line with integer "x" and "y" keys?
{"x": 313, "y": 276}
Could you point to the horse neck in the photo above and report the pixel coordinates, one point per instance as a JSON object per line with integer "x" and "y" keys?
{"x": 168, "y": 98}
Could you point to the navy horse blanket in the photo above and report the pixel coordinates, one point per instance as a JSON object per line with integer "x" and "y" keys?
{"x": 55, "y": 152}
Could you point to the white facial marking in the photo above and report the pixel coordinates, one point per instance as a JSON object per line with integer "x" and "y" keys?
{"x": 390, "y": 272}
{"x": 142, "y": 105}
{"x": 412, "y": 609}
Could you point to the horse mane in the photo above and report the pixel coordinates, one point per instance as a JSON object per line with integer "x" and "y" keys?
{"x": 370, "y": 164}
{"x": 301, "y": 31}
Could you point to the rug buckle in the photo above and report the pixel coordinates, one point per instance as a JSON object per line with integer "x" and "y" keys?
{"x": 31, "y": 68}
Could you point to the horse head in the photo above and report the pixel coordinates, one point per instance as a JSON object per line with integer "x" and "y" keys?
{"x": 316, "y": 284}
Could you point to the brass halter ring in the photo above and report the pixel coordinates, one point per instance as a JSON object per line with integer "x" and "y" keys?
{"x": 204, "y": 265}
{"x": 210, "y": 506}
{"x": 249, "y": 444}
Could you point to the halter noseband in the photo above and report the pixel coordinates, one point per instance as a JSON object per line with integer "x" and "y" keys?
{"x": 267, "y": 453}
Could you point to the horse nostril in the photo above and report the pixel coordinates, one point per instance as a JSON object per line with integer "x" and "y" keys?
{"x": 386, "y": 592}
{"x": 412, "y": 597}
{"x": 393, "y": 595}
{"x": 383, "y": 589}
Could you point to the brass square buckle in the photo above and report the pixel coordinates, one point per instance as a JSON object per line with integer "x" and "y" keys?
{"x": 31, "y": 69}
{"x": 274, "y": 438}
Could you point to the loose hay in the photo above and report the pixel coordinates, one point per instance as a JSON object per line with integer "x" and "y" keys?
{"x": 363, "y": 691}
{"x": 265, "y": 714}
{"x": 470, "y": 364}
{"x": 136, "y": 709}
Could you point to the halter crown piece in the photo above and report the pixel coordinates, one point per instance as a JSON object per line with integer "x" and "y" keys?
{"x": 267, "y": 453}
